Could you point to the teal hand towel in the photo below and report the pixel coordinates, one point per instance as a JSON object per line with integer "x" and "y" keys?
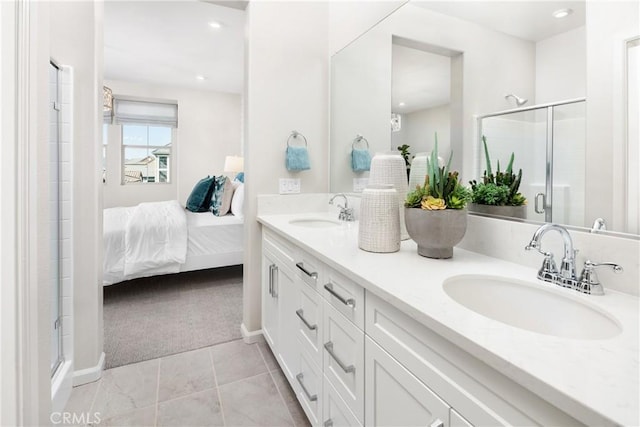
{"x": 297, "y": 159}
{"x": 360, "y": 160}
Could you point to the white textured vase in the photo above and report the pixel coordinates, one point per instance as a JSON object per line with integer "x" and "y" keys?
{"x": 418, "y": 171}
{"x": 379, "y": 226}
{"x": 390, "y": 168}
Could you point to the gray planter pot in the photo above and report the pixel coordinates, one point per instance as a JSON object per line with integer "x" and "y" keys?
{"x": 509, "y": 211}
{"x": 436, "y": 232}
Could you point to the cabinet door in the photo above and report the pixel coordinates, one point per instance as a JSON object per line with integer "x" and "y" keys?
{"x": 395, "y": 397}
{"x": 287, "y": 291}
{"x": 269, "y": 300}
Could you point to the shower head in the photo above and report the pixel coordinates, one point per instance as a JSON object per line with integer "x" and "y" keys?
{"x": 519, "y": 101}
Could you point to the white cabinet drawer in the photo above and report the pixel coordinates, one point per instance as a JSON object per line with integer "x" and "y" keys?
{"x": 310, "y": 270}
{"x": 346, "y": 296}
{"x": 343, "y": 358}
{"x": 481, "y": 394}
{"x": 309, "y": 322}
{"x": 457, "y": 420}
{"x": 336, "y": 413}
{"x": 307, "y": 383}
{"x": 395, "y": 397}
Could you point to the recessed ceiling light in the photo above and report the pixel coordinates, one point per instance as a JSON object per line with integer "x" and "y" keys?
{"x": 401, "y": 104}
{"x": 201, "y": 77}
{"x": 215, "y": 24}
{"x": 562, "y": 13}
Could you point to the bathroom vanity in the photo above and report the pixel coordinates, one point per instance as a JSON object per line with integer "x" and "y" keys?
{"x": 386, "y": 339}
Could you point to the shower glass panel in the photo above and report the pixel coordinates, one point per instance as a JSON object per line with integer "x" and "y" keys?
{"x": 548, "y": 142}
{"x": 54, "y": 218}
{"x": 522, "y": 133}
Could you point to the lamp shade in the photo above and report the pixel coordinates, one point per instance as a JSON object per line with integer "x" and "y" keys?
{"x": 234, "y": 164}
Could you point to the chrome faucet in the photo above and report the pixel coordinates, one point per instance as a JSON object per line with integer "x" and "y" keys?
{"x": 587, "y": 283}
{"x": 567, "y": 275}
{"x": 346, "y": 213}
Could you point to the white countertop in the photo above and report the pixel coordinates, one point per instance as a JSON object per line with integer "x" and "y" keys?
{"x": 579, "y": 376}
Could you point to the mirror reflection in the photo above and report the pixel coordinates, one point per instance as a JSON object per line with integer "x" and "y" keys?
{"x": 568, "y": 151}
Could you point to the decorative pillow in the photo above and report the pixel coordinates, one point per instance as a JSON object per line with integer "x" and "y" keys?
{"x": 237, "y": 204}
{"x": 200, "y": 198}
{"x": 222, "y": 195}
{"x": 240, "y": 177}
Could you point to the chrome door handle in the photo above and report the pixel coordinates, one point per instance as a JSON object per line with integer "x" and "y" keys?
{"x": 311, "y": 274}
{"x": 329, "y": 347}
{"x": 311, "y": 397}
{"x": 437, "y": 423}
{"x": 300, "y": 314}
{"x": 544, "y": 202}
{"x": 271, "y": 279}
{"x": 274, "y": 292}
{"x": 349, "y": 302}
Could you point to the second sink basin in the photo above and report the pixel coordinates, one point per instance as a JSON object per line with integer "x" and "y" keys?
{"x": 314, "y": 222}
{"x": 530, "y": 306}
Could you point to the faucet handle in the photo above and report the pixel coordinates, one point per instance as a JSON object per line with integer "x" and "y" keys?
{"x": 549, "y": 270}
{"x": 589, "y": 282}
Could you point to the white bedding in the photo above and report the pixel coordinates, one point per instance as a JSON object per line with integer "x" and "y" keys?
{"x": 207, "y": 242}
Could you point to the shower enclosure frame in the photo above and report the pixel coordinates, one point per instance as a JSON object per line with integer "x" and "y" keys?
{"x": 547, "y": 204}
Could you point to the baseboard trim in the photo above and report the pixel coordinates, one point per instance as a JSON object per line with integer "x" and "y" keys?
{"x": 89, "y": 375}
{"x": 251, "y": 337}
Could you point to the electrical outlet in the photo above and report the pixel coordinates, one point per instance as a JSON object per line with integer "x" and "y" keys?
{"x": 359, "y": 184}
{"x": 289, "y": 185}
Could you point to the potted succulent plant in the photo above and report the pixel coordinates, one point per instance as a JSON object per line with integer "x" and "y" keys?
{"x": 435, "y": 213}
{"x": 498, "y": 194}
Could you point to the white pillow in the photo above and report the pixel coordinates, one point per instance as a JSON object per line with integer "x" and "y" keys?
{"x": 237, "y": 203}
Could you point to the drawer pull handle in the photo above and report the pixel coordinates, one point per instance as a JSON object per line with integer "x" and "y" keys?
{"x": 311, "y": 397}
{"x": 350, "y": 302}
{"x": 328, "y": 423}
{"x": 437, "y": 423}
{"x": 311, "y": 274}
{"x": 300, "y": 314}
{"x": 274, "y": 272}
{"x": 271, "y": 279}
{"x": 329, "y": 347}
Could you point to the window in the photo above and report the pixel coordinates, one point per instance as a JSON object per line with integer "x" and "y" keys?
{"x": 146, "y": 153}
{"x": 147, "y": 139}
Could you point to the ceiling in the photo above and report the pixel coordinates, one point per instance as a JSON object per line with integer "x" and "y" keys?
{"x": 171, "y": 43}
{"x": 525, "y": 19}
{"x": 419, "y": 79}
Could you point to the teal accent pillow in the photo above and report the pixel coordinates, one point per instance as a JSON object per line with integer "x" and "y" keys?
{"x": 217, "y": 195}
{"x": 240, "y": 177}
{"x": 200, "y": 198}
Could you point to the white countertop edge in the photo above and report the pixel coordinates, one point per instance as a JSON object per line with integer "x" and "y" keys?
{"x": 579, "y": 402}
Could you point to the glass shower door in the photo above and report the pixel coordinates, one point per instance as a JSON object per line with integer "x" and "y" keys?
{"x": 54, "y": 218}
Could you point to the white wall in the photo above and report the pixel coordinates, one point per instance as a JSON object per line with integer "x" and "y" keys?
{"x": 608, "y": 25}
{"x": 76, "y": 40}
{"x": 561, "y": 67}
{"x": 422, "y": 126}
{"x": 286, "y": 88}
{"x": 208, "y": 130}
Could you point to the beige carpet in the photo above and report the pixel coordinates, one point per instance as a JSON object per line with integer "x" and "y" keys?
{"x": 156, "y": 316}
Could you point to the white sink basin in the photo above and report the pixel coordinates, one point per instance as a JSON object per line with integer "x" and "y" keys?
{"x": 315, "y": 222}
{"x": 530, "y": 306}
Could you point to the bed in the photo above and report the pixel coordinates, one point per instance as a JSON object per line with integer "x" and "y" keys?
{"x": 163, "y": 238}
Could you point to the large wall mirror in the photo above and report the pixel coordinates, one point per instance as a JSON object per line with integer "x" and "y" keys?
{"x": 522, "y": 75}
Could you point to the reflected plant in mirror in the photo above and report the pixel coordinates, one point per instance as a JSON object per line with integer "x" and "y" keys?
{"x": 498, "y": 193}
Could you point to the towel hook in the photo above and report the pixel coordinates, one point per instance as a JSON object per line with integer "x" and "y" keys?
{"x": 359, "y": 138}
{"x": 295, "y": 134}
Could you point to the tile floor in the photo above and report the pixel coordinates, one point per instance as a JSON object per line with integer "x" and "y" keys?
{"x": 230, "y": 384}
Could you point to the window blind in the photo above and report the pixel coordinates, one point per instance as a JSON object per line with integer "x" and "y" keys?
{"x": 145, "y": 113}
